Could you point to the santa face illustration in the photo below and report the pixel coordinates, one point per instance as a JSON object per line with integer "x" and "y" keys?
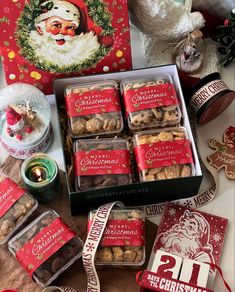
{"x": 61, "y": 36}
{"x": 189, "y": 238}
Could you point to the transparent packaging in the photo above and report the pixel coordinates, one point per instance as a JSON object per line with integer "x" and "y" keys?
{"x": 150, "y": 102}
{"x": 163, "y": 154}
{"x": 18, "y": 212}
{"x": 94, "y": 109}
{"x": 58, "y": 262}
{"x": 126, "y": 229}
{"x": 101, "y": 163}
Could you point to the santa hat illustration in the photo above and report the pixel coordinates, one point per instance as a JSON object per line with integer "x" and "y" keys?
{"x": 203, "y": 226}
{"x": 72, "y": 10}
{"x": 15, "y": 121}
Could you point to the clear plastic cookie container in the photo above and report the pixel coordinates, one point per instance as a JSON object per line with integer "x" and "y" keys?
{"x": 16, "y": 205}
{"x": 123, "y": 241}
{"x": 150, "y": 102}
{"x": 100, "y": 163}
{"x": 93, "y": 109}
{"x": 163, "y": 154}
{"x": 46, "y": 247}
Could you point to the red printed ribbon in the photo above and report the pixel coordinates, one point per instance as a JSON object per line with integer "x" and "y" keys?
{"x": 43, "y": 245}
{"x": 162, "y": 154}
{"x": 122, "y": 233}
{"x": 92, "y": 242}
{"x": 10, "y": 193}
{"x": 99, "y": 162}
{"x": 150, "y": 97}
{"x": 92, "y": 102}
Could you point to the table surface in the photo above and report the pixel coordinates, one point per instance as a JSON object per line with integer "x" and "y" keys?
{"x": 224, "y": 202}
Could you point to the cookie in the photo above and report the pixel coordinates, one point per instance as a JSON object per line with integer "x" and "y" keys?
{"x": 94, "y": 109}
{"x": 150, "y": 102}
{"x": 163, "y": 154}
{"x": 101, "y": 163}
{"x": 224, "y": 153}
{"x": 121, "y": 248}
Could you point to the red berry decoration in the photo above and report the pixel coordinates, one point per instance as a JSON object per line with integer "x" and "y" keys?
{"x": 28, "y": 130}
{"x": 8, "y": 130}
{"x": 19, "y": 137}
{"x": 106, "y": 40}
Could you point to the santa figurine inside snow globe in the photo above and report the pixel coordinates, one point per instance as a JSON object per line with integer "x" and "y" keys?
{"x": 25, "y": 115}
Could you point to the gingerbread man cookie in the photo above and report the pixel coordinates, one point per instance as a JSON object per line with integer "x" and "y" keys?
{"x": 224, "y": 155}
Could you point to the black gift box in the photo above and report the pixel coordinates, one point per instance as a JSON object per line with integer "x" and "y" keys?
{"x": 137, "y": 193}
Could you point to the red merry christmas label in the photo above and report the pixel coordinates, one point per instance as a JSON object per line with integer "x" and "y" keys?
{"x": 10, "y": 192}
{"x": 161, "y": 154}
{"x": 92, "y": 102}
{"x": 122, "y": 233}
{"x": 98, "y": 162}
{"x": 43, "y": 245}
{"x": 150, "y": 97}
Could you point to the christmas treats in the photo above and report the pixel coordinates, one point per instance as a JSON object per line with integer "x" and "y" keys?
{"x": 16, "y": 205}
{"x": 163, "y": 154}
{"x": 94, "y": 109}
{"x": 101, "y": 163}
{"x": 150, "y": 102}
{"x": 46, "y": 247}
{"x": 123, "y": 241}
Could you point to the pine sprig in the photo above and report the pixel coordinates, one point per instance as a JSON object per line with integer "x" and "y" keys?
{"x": 97, "y": 11}
{"x": 226, "y": 38}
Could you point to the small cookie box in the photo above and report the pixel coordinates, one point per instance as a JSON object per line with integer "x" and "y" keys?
{"x": 46, "y": 247}
{"x": 163, "y": 154}
{"x": 94, "y": 109}
{"x": 101, "y": 163}
{"x": 150, "y": 102}
{"x": 16, "y": 205}
{"x": 123, "y": 241}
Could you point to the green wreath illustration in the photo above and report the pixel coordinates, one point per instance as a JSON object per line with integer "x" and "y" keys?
{"x": 97, "y": 11}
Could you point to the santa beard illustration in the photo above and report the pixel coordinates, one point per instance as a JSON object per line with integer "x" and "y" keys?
{"x": 189, "y": 238}
{"x": 64, "y": 50}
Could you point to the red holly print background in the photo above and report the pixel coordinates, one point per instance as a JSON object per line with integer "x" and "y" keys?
{"x": 191, "y": 234}
{"x": 114, "y": 41}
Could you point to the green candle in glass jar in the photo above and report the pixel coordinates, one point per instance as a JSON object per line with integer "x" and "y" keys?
{"x": 40, "y": 175}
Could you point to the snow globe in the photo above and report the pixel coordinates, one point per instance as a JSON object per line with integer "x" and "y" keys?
{"x": 25, "y": 116}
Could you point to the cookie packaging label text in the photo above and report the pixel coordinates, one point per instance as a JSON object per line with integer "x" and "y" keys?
{"x": 92, "y": 102}
{"x": 161, "y": 154}
{"x": 98, "y": 162}
{"x": 150, "y": 97}
{"x": 122, "y": 233}
{"x": 43, "y": 245}
{"x": 10, "y": 192}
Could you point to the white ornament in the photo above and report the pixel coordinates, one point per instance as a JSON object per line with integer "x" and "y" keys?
{"x": 106, "y": 68}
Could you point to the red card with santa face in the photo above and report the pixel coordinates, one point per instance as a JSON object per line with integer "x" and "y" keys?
{"x": 45, "y": 39}
{"x": 192, "y": 234}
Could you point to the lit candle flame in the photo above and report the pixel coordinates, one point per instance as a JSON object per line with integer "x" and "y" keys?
{"x": 38, "y": 174}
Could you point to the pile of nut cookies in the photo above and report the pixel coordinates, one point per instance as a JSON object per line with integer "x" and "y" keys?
{"x": 18, "y": 211}
{"x": 55, "y": 264}
{"x": 150, "y": 103}
{"x": 94, "y": 109}
{"x": 117, "y": 245}
{"x": 153, "y": 148}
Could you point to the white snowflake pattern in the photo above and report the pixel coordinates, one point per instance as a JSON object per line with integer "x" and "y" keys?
{"x": 217, "y": 237}
{"x": 172, "y": 212}
{"x": 188, "y": 204}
